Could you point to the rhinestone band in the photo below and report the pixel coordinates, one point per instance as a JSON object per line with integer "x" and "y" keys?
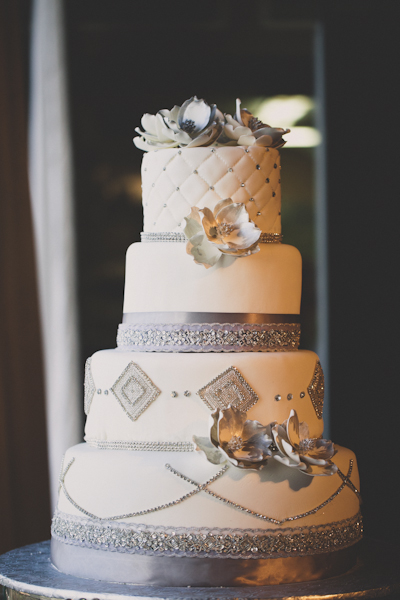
{"x": 176, "y": 236}
{"x": 228, "y": 337}
{"x": 142, "y": 446}
{"x": 215, "y": 542}
{"x": 163, "y": 236}
{"x": 204, "y": 488}
{"x": 199, "y": 487}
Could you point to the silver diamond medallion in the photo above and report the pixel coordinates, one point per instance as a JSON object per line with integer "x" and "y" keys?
{"x": 134, "y": 391}
{"x": 228, "y": 389}
{"x": 316, "y": 390}
{"x": 89, "y": 386}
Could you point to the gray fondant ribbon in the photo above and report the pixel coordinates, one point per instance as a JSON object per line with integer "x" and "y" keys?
{"x": 207, "y": 317}
{"x": 175, "y": 571}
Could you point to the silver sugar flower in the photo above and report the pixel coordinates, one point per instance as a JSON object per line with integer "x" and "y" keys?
{"x": 195, "y": 123}
{"x": 296, "y": 449}
{"x": 234, "y": 438}
{"x": 226, "y": 230}
{"x": 245, "y": 130}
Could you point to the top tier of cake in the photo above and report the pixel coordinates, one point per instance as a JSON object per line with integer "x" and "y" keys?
{"x": 175, "y": 179}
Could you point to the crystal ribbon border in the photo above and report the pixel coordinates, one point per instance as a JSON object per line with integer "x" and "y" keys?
{"x": 177, "y": 236}
{"x": 206, "y": 542}
{"x": 209, "y": 337}
{"x": 141, "y": 446}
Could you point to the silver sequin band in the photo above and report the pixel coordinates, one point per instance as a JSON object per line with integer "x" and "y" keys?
{"x": 142, "y": 446}
{"x": 209, "y": 337}
{"x": 176, "y": 236}
{"x": 203, "y": 542}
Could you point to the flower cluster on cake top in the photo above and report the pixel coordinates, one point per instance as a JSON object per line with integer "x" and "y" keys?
{"x": 196, "y": 123}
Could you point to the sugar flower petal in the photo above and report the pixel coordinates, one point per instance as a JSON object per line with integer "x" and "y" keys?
{"x": 213, "y": 455}
{"x": 149, "y": 123}
{"x": 203, "y": 252}
{"x": 193, "y": 223}
{"x": 246, "y": 140}
{"x": 194, "y": 115}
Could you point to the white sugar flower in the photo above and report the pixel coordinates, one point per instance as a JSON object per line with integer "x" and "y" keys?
{"x": 226, "y": 230}
{"x": 234, "y": 438}
{"x": 195, "y": 123}
{"x": 245, "y": 130}
{"x": 296, "y": 449}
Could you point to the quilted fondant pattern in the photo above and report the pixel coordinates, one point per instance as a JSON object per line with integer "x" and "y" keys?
{"x": 174, "y": 180}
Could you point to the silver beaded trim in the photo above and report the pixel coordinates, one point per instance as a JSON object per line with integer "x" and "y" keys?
{"x": 205, "y": 542}
{"x": 142, "y": 446}
{"x": 176, "y": 236}
{"x": 215, "y": 337}
{"x": 163, "y": 236}
{"x": 203, "y": 487}
{"x": 146, "y": 511}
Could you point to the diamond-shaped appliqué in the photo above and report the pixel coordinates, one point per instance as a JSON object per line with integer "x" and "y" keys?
{"x": 316, "y": 390}
{"x": 228, "y": 388}
{"x": 134, "y": 390}
{"x": 89, "y": 386}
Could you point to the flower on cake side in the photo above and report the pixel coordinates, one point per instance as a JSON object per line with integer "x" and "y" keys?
{"x": 248, "y": 444}
{"x": 244, "y": 129}
{"x": 195, "y": 123}
{"x": 296, "y": 449}
{"x": 234, "y": 438}
{"x": 225, "y": 230}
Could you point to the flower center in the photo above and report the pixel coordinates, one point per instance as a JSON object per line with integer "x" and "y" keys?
{"x": 225, "y": 229}
{"x": 235, "y": 443}
{"x": 306, "y": 445}
{"x": 189, "y": 126}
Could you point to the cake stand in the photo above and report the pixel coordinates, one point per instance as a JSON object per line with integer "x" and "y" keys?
{"x": 28, "y": 573}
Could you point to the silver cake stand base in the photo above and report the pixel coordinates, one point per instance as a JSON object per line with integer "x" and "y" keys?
{"x": 28, "y": 573}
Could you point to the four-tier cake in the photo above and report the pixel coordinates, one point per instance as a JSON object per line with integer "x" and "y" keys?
{"x": 204, "y": 461}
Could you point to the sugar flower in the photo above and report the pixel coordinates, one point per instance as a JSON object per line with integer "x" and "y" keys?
{"x": 245, "y": 130}
{"x": 236, "y": 439}
{"x": 195, "y": 123}
{"x": 225, "y": 230}
{"x": 296, "y": 449}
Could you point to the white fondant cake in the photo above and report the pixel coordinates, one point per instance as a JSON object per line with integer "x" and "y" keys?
{"x": 268, "y": 282}
{"x": 174, "y": 180}
{"x": 281, "y": 381}
{"x": 204, "y": 461}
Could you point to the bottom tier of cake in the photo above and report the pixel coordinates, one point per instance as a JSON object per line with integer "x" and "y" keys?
{"x": 173, "y": 518}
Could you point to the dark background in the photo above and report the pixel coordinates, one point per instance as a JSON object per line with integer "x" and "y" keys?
{"x": 129, "y": 57}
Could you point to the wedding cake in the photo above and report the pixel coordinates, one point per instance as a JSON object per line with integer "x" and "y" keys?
{"x": 204, "y": 461}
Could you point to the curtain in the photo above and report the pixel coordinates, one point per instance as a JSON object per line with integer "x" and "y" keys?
{"x": 24, "y": 491}
{"x": 50, "y": 175}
